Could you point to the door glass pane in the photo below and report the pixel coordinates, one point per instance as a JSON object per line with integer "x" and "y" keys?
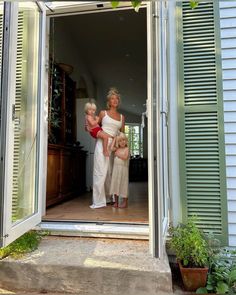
{"x": 25, "y": 123}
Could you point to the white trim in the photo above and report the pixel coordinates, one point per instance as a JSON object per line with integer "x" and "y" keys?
{"x": 150, "y": 129}
{"x": 175, "y": 201}
{"x": 92, "y": 229}
{"x": 43, "y": 127}
{"x": 11, "y": 90}
{"x": 79, "y": 7}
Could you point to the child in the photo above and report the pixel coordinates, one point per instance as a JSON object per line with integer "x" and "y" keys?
{"x": 92, "y": 126}
{"x": 120, "y": 173}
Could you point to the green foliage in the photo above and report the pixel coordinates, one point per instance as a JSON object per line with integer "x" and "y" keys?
{"x": 114, "y": 4}
{"x": 25, "y": 244}
{"x": 189, "y": 244}
{"x": 222, "y": 273}
{"x": 137, "y": 3}
{"x": 193, "y": 4}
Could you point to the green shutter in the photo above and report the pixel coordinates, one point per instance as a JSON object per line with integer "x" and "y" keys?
{"x": 201, "y": 134}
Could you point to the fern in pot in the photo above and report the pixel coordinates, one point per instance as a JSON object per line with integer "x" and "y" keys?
{"x": 192, "y": 253}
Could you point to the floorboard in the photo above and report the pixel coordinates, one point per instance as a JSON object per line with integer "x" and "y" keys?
{"x": 78, "y": 208}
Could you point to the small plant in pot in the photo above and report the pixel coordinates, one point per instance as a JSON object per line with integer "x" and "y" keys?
{"x": 192, "y": 252}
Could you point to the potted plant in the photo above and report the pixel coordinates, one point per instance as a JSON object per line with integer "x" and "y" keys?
{"x": 192, "y": 252}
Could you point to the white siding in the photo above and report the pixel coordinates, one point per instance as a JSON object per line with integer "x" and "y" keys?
{"x": 228, "y": 45}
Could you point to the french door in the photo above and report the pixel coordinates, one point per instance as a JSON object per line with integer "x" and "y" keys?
{"x": 22, "y": 30}
{"x": 157, "y": 112}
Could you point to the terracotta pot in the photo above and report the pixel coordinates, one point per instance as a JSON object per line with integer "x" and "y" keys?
{"x": 193, "y": 278}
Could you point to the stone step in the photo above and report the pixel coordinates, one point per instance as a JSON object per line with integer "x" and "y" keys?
{"x": 88, "y": 266}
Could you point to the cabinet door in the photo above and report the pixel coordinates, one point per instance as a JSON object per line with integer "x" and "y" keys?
{"x": 53, "y": 176}
{"x": 66, "y": 172}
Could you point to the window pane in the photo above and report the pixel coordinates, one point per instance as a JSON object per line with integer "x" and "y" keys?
{"x": 133, "y": 132}
{"x": 25, "y": 123}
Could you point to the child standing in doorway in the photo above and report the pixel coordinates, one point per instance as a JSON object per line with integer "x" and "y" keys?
{"x": 120, "y": 172}
{"x": 92, "y": 126}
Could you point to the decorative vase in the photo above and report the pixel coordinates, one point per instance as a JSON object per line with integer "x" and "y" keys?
{"x": 193, "y": 278}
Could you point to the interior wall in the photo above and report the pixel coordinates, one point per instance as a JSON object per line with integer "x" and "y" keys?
{"x": 63, "y": 50}
{"x": 71, "y": 54}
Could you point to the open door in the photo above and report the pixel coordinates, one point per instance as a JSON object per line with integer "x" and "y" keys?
{"x": 23, "y": 30}
{"x": 157, "y": 125}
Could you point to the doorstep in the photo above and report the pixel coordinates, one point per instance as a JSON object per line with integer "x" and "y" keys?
{"x": 99, "y": 229}
{"x": 88, "y": 266}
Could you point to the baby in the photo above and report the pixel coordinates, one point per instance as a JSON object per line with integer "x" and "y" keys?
{"x": 92, "y": 126}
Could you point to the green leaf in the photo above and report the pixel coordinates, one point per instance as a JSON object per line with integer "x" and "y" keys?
{"x": 201, "y": 291}
{"x": 222, "y": 288}
{"x": 209, "y": 287}
{"x": 232, "y": 276}
{"x": 114, "y": 4}
{"x": 193, "y": 3}
{"x": 136, "y": 4}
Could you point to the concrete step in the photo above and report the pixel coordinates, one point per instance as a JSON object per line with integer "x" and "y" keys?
{"x": 88, "y": 266}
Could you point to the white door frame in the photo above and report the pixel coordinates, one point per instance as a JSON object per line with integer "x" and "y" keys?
{"x": 154, "y": 188}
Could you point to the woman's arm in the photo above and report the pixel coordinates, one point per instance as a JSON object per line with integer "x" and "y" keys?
{"x": 100, "y": 117}
{"x": 123, "y": 156}
{"x": 122, "y": 129}
{"x": 113, "y": 148}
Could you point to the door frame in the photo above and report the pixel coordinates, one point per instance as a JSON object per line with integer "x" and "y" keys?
{"x": 155, "y": 226}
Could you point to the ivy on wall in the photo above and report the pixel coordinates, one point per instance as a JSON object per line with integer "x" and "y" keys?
{"x": 136, "y": 4}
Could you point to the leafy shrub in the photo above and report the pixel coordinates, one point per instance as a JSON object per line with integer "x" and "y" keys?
{"x": 189, "y": 244}
{"x": 222, "y": 274}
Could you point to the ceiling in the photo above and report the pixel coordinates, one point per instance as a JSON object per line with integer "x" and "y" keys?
{"x": 114, "y": 46}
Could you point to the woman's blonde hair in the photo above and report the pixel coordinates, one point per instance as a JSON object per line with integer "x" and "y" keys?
{"x": 120, "y": 137}
{"x": 89, "y": 105}
{"x": 112, "y": 91}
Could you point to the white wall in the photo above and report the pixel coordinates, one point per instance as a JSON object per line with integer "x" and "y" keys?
{"x": 228, "y": 45}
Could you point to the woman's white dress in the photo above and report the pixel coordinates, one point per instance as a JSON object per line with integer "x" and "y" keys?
{"x": 120, "y": 178}
{"x": 103, "y": 165}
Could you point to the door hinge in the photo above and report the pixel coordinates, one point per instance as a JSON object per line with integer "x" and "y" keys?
{"x": 5, "y": 236}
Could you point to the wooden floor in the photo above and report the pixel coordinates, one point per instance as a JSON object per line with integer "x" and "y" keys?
{"x": 78, "y": 208}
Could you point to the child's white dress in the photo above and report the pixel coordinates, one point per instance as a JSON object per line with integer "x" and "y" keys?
{"x": 120, "y": 177}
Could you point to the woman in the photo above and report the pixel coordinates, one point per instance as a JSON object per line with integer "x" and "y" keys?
{"x": 112, "y": 122}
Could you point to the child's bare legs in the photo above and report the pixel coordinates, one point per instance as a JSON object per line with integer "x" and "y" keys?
{"x": 116, "y": 201}
{"x": 124, "y": 203}
{"x": 104, "y": 136}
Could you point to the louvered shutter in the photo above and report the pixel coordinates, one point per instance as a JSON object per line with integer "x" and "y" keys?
{"x": 201, "y": 143}
{"x": 21, "y": 31}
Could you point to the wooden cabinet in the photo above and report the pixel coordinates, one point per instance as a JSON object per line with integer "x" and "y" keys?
{"x": 66, "y": 161}
{"x": 66, "y": 173}
{"x": 61, "y": 112}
